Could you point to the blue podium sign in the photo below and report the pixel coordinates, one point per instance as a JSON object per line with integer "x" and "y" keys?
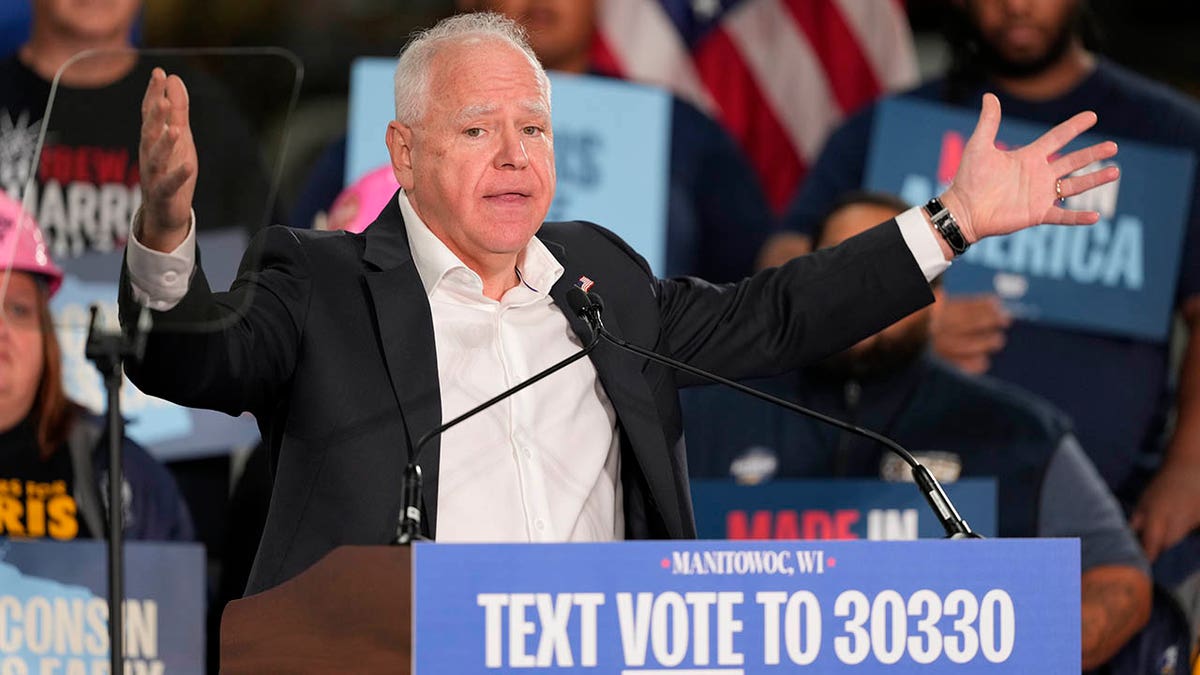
{"x": 611, "y": 149}
{"x": 54, "y": 608}
{"x": 835, "y": 509}
{"x": 984, "y": 606}
{"x": 1116, "y": 277}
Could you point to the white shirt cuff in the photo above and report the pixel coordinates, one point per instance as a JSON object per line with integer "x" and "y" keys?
{"x": 160, "y": 280}
{"x": 923, "y": 243}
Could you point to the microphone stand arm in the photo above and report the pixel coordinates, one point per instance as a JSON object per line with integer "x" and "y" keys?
{"x": 408, "y": 529}
{"x": 954, "y": 525}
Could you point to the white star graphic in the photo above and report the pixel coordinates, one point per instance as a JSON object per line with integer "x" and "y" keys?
{"x": 18, "y": 140}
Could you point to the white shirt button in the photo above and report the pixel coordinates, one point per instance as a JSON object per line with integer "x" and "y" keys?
{"x": 539, "y": 524}
{"x": 528, "y": 453}
{"x": 170, "y": 277}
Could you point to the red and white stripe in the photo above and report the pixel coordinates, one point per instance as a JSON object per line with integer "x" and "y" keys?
{"x": 779, "y": 74}
{"x": 646, "y": 47}
{"x": 882, "y": 30}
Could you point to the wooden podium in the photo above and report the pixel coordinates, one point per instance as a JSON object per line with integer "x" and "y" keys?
{"x": 353, "y": 607}
{"x": 971, "y": 607}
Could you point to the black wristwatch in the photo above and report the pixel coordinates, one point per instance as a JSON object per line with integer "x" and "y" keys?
{"x": 947, "y": 226}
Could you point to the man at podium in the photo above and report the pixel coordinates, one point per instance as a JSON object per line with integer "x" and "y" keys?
{"x": 348, "y": 348}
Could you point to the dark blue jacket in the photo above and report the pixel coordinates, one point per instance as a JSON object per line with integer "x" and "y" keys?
{"x": 153, "y": 507}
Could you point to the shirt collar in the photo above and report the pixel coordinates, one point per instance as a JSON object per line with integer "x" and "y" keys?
{"x": 537, "y": 268}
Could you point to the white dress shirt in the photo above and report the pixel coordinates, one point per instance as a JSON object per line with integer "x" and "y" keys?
{"x": 543, "y": 465}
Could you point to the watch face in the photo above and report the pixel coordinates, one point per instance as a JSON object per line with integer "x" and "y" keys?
{"x": 955, "y": 239}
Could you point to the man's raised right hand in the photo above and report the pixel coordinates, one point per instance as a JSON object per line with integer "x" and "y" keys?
{"x": 167, "y": 162}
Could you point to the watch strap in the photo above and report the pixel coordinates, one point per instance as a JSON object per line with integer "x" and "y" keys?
{"x": 947, "y": 226}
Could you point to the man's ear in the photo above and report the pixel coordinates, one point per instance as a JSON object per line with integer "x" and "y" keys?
{"x": 399, "y": 143}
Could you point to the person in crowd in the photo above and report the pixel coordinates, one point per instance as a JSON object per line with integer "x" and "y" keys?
{"x": 960, "y": 426}
{"x": 84, "y": 184}
{"x": 717, "y": 214}
{"x": 1033, "y": 55}
{"x": 53, "y": 455}
{"x": 350, "y": 347}
{"x": 83, "y": 187}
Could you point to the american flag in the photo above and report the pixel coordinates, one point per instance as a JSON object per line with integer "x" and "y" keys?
{"x": 779, "y": 74}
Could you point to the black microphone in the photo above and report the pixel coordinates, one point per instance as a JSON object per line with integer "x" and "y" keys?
{"x": 408, "y": 529}
{"x": 589, "y": 307}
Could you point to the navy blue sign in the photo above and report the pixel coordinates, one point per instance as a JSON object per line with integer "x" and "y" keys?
{"x": 1116, "y": 277}
{"x": 835, "y": 509}
{"x": 984, "y": 606}
{"x": 54, "y": 608}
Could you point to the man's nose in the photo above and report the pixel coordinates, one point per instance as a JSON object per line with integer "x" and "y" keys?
{"x": 511, "y": 154}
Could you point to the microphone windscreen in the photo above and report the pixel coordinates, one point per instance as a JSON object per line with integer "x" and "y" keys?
{"x": 578, "y": 301}
{"x": 596, "y": 301}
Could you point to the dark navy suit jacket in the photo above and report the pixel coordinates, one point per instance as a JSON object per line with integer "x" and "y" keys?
{"x": 327, "y": 339}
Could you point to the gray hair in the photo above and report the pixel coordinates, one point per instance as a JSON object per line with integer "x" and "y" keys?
{"x": 413, "y": 67}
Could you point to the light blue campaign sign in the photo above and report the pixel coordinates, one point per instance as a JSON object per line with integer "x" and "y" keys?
{"x": 1116, "y": 277}
{"x": 835, "y": 509}
{"x": 150, "y": 419}
{"x": 980, "y": 606}
{"x": 372, "y": 106}
{"x": 54, "y": 608}
{"x": 611, "y": 146}
{"x": 166, "y": 430}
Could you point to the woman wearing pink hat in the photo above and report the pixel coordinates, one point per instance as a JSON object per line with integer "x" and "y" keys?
{"x": 52, "y": 465}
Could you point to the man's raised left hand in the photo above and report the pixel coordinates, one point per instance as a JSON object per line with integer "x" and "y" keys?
{"x": 1001, "y": 191}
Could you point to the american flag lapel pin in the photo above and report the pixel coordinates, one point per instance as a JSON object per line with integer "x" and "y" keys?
{"x": 584, "y": 284}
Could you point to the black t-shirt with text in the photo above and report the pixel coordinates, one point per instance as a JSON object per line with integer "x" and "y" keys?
{"x": 86, "y": 187}
{"x": 36, "y": 495}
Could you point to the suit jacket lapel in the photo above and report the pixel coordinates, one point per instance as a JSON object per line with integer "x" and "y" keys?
{"x": 405, "y": 328}
{"x": 621, "y": 374}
